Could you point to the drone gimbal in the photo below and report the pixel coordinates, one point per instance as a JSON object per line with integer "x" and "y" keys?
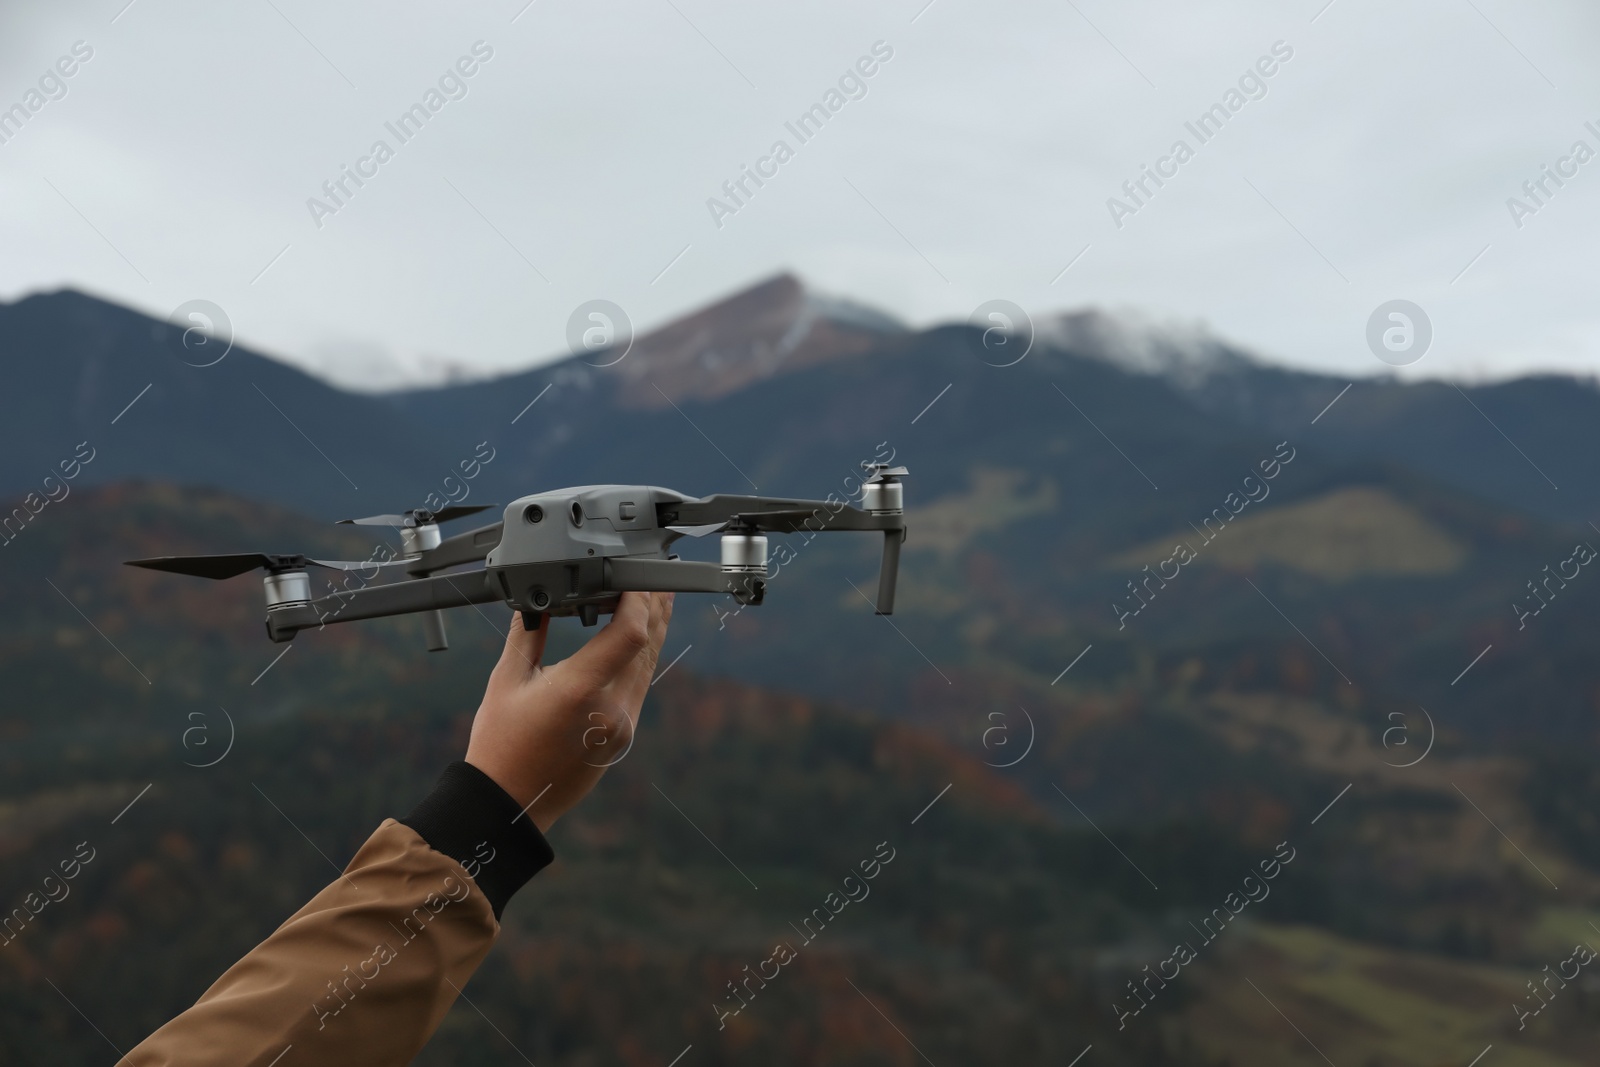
{"x": 563, "y": 552}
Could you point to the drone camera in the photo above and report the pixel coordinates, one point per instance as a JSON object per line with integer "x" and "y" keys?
{"x": 533, "y": 513}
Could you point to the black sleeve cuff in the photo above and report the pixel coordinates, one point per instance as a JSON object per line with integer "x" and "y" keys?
{"x": 469, "y": 818}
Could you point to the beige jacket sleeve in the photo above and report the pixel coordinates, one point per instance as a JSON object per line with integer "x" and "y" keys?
{"x": 364, "y": 973}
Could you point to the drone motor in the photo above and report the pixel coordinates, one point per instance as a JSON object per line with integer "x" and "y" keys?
{"x": 744, "y": 552}
{"x": 415, "y": 540}
{"x": 286, "y": 588}
{"x": 883, "y": 493}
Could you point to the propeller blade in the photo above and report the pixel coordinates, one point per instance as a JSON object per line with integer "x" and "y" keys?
{"x": 216, "y": 568}
{"x": 356, "y": 565}
{"x": 460, "y": 511}
{"x": 699, "y": 531}
{"x": 419, "y": 516}
{"x": 776, "y": 521}
{"x": 376, "y": 520}
{"x": 233, "y": 564}
{"x": 773, "y": 521}
{"x": 794, "y": 514}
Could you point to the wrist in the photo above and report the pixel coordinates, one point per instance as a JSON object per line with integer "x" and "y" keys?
{"x": 475, "y": 821}
{"x": 532, "y": 800}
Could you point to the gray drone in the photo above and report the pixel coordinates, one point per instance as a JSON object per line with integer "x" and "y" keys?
{"x": 563, "y": 552}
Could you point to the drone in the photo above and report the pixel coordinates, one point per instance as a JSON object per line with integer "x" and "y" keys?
{"x": 565, "y": 552}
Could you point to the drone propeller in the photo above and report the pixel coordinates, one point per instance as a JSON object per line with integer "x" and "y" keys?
{"x": 699, "y": 531}
{"x": 231, "y": 565}
{"x": 418, "y": 516}
{"x": 775, "y": 521}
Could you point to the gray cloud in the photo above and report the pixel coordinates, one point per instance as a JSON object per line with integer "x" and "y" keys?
{"x": 977, "y": 165}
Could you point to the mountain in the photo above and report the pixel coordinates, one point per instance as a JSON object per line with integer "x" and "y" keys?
{"x": 257, "y": 426}
{"x": 1043, "y": 853}
{"x": 1162, "y": 609}
{"x": 1039, "y": 492}
{"x": 775, "y": 327}
{"x": 85, "y": 371}
{"x": 1039, "y": 496}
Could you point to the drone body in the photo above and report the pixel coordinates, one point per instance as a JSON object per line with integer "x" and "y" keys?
{"x": 563, "y": 552}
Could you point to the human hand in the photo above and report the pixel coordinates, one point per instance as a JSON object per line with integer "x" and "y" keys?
{"x": 546, "y": 734}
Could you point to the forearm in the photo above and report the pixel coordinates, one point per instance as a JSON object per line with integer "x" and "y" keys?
{"x": 365, "y": 971}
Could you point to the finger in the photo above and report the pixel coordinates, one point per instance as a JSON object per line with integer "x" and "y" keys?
{"x": 524, "y": 648}
{"x": 658, "y": 636}
{"x": 666, "y": 616}
{"x": 610, "y": 651}
{"x": 644, "y": 673}
{"x": 658, "y": 627}
{"x": 644, "y": 664}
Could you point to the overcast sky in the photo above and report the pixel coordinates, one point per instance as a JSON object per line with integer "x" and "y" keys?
{"x": 974, "y": 163}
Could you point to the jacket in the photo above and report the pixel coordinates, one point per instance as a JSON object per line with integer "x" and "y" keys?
{"x": 365, "y": 972}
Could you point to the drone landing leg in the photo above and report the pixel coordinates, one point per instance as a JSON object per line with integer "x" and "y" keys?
{"x": 888, "y": 570}
{"x": 433, "y": 628}
{"x": 531, "y": 620}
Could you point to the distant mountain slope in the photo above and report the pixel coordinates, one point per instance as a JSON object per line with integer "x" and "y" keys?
{"x": 1532, "y": 443}
{"x": 72, "y": 365}
{"x": 1004, "y": 930}
{"x": 1343, "y": 534}
{"x": 1036, "y": 484}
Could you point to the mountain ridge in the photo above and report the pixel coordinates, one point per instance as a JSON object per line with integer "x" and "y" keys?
{"x": 729, "y": 375}
{"x": 1141, "y": 341}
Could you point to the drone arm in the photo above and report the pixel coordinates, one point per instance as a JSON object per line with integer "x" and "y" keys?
{"x": 775, "y": 516}
{"x": 818, "y": 516}
{"x": 800, "y": 516}
{"x": 398, "y": 598}
{"x": 467, "y": 547}
{"x": 721, "y": 507}
{"x": 823, "y": 517}
{"x": 676, "y": 576}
